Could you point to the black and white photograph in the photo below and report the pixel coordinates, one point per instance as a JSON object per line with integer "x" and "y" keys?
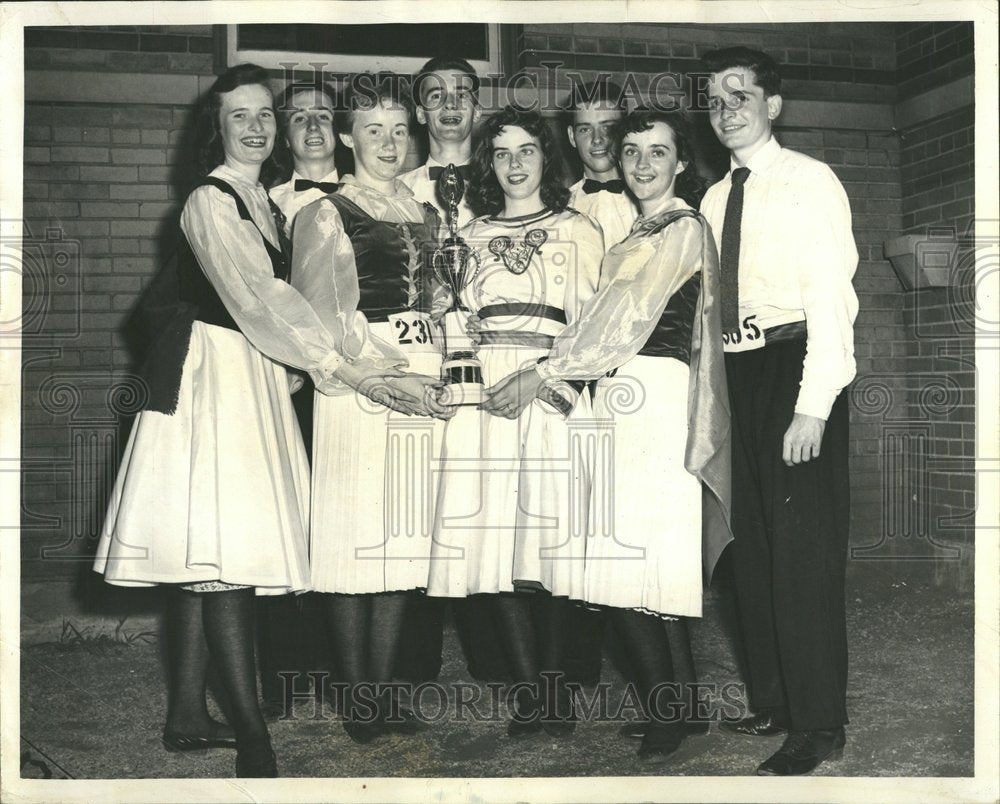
{"x": 514, "y": 401}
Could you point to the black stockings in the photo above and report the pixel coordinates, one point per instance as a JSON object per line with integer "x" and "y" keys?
{"x": 365, "y": 630}
{"x": 217, "y": 625}
{"x": 660, "y": 653}
{"x": 533, "y": 632}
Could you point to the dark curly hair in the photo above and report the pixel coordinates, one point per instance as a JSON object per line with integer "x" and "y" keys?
{"x": 485, "y": 195}
{"x": 210, "y": 151}
{"x": 690, "y": 186}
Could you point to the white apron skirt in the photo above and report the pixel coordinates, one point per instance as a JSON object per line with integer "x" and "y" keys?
{"x": 218, "y": 491}
{"x": 644, "y": 538}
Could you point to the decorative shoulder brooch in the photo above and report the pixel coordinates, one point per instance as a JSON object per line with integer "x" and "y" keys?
{"x": 517, "y": 257}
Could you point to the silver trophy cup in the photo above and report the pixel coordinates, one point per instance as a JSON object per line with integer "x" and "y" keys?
{"x": 455, "y": 264}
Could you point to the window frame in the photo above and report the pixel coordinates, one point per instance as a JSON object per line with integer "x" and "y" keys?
{"x": 498, "y": 43}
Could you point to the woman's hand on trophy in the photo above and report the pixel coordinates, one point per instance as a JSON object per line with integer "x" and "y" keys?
{"x": 374, "y": 384}
{"x": 421, "y": 394}
{"x": 473, "y": 326}
{"x": 509, "y": 397}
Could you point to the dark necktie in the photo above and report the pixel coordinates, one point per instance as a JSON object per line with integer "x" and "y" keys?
{"x": 434, "y": 172}
{"x": 729, "y": 258}
{"x": 616, "y": 186}
{"x": 308, "y": 184}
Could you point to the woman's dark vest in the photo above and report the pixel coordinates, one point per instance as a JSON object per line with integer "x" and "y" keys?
{"x": 393, "y": 259}
{"x": 672, "y": 335}
{"x": 180, "y": 295}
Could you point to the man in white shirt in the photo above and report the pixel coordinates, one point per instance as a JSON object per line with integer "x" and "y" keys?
{"x": 595, "y": 110}
{"x": 307, "y": 116}
{"x": 290, "y": 632}
{"x": 783, "y": 225}
{"x": 446, "y": 95}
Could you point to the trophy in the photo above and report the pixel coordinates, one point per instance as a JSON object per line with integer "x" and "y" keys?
{"x": 461, "y": 370}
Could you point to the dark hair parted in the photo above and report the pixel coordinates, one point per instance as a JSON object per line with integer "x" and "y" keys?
{"x": 689, "y": 185}
{"x": 366, "y": 91}
{"x": 485, "y": 195}
{"x": 440, "y": 64}
{"x": 764, "y": 68}
{"x": 210, "y": 151}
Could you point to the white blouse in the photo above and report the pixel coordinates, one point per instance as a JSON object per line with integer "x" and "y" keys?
{"x": 273, "y": 316}
{"x": 638, "y": 277}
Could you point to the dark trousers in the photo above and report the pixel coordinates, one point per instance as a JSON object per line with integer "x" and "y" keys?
{"x": 790, "y": 527}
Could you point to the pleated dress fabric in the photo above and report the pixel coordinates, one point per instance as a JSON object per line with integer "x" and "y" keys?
{"x": 512, "y": 501}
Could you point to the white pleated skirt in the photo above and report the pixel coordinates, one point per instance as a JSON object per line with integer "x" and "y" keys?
{"x": 373, "y": 492}
{"x": 644, "y": 536}
{"x": 512, "y": 498}
{"x": 218, "y": 491}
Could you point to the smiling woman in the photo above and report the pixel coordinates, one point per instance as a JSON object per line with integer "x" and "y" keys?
{"x": 509, "y": 504}
{"x": 212, "y": 494}
{"x": 360, "y": 258}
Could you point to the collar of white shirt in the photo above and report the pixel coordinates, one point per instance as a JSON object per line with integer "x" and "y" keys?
{"x": 762, "y": 160}
{"x": 434, "y": 163}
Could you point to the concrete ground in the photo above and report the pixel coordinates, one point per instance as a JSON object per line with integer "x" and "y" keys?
{"x": 93, "y": 707}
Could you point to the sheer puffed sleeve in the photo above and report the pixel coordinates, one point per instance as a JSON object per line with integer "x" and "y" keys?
{"x": 325, "y": 272}
{"x": 640, "y": 276}
{"x": 273, "y": 316}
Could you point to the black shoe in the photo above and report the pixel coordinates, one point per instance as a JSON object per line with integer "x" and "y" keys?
{"x": 802, "y": 751}
{"x": 364, "y": 731}
{"x": 660, "y": 741}
{"x": 221, "y": 737}
{"x": 763, "y": 724}
{"x": 256, "y": 764}
{"x": 403, "y": 721}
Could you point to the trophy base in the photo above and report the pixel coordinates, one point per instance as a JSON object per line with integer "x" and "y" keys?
{"x": 463, "y": 376}
{"x": 461, "y": 393}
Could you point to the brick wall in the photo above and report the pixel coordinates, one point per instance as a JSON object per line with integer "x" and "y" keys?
{"x": 938, "y": 186}
{"x": 105, "y": 176}
{"x": 110, "y": 173}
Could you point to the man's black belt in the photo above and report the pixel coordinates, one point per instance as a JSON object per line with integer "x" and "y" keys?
{"x": 785, "y": 332}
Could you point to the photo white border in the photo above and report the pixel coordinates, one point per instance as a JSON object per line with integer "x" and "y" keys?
{"x": 982, "y": 787}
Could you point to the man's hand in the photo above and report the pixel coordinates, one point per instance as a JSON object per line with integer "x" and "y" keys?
{"x": 802, "y": 439}
{"x": 509, "y": 397}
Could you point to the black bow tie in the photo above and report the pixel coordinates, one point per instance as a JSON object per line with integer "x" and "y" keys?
{"x": 308, "y": 184}
{"x": 434, "y": 172}
{"x": 614, "y": 186}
